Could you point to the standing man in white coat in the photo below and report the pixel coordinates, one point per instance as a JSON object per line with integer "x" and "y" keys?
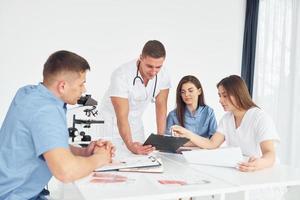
{"x": 133, "y": 86}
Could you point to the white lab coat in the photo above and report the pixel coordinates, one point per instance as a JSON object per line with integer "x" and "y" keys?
{"x": 138, "y": 96}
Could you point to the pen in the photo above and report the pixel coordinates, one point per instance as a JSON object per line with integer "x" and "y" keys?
{"x": 172, "y": 132}
{"x": 152, "y": 158}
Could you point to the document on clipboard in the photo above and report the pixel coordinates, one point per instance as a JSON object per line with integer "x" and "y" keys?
{"x": 131, "y": 162}
{"x": 166, "y": 143}
{"x": 152, "y": 169}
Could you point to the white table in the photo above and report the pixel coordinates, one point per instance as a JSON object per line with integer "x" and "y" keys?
{"x": 280, "y": 176}
{"x": 222, "y": 181}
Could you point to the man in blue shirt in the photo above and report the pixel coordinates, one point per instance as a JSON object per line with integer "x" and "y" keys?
{"x": 34, "y": 136}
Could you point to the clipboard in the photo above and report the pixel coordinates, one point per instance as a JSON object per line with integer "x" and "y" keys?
{"x": 131, "y": 162}
{"x": 166, "y": 143}
{"x": 151, "y": 169}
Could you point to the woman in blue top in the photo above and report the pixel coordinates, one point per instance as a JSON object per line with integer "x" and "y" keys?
{"x": 191, "y": 112}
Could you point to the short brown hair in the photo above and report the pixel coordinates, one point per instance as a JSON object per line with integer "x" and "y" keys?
{"x": 64, "y": 61}
{"x": 154, "y": 49}
{"x": 235, "y": 86}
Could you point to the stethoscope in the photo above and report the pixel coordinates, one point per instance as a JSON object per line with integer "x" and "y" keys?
{"x": 138, "y": 77}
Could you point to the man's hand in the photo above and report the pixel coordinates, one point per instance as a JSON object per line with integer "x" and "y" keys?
{"x": 89, "y": 150}
{"x": 138, "y": 148}
{"x": 104, "y": 155}
{"x": 108, "y": 145}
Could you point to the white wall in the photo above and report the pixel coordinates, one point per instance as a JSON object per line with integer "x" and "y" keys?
{"x": 202, "y": 37}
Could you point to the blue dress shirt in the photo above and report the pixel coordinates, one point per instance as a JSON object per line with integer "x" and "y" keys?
{"x": 34, "y": 124}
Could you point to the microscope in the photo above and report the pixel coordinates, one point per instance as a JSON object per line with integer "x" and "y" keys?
{"x": 85, "y": 101}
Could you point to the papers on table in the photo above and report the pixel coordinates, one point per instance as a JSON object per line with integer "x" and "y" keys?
{"x": 179, "y": 180}
{"x": 225, "y": 157}
{"x": 107, "y": 180}
{"x": 132, "y": 163}
{"x": 110, "y": 178}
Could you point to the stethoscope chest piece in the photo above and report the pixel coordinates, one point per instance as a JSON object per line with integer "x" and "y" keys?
{"x": 153, "y": 100}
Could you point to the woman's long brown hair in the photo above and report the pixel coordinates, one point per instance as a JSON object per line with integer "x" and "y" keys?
{"x": 180, "y": 105}
{"x": 236, "y": 87}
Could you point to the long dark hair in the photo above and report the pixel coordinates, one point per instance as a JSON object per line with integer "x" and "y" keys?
{"x": 236, "y": 87}
{"x": 180, "y": 105}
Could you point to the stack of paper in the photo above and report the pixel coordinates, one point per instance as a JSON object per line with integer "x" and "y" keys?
{"x": 226, "y": 157}
{"x": 135, "y": 164}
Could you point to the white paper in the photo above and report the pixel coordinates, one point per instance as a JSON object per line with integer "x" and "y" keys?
{"x": 225, "y": 157}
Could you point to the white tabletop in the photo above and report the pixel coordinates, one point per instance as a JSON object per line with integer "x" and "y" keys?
{"x": 278, "y": 175}
{"x": 217, "y": 180}
{"x": 146, "y": 185}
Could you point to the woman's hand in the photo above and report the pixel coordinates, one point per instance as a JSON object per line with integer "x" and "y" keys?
{"x": 267, "y": 159}
{"x": 250, "y": 166}
{"x": 180, "y": 131}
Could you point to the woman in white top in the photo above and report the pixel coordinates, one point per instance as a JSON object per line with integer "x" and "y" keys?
{"x": 244, "y": 125}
